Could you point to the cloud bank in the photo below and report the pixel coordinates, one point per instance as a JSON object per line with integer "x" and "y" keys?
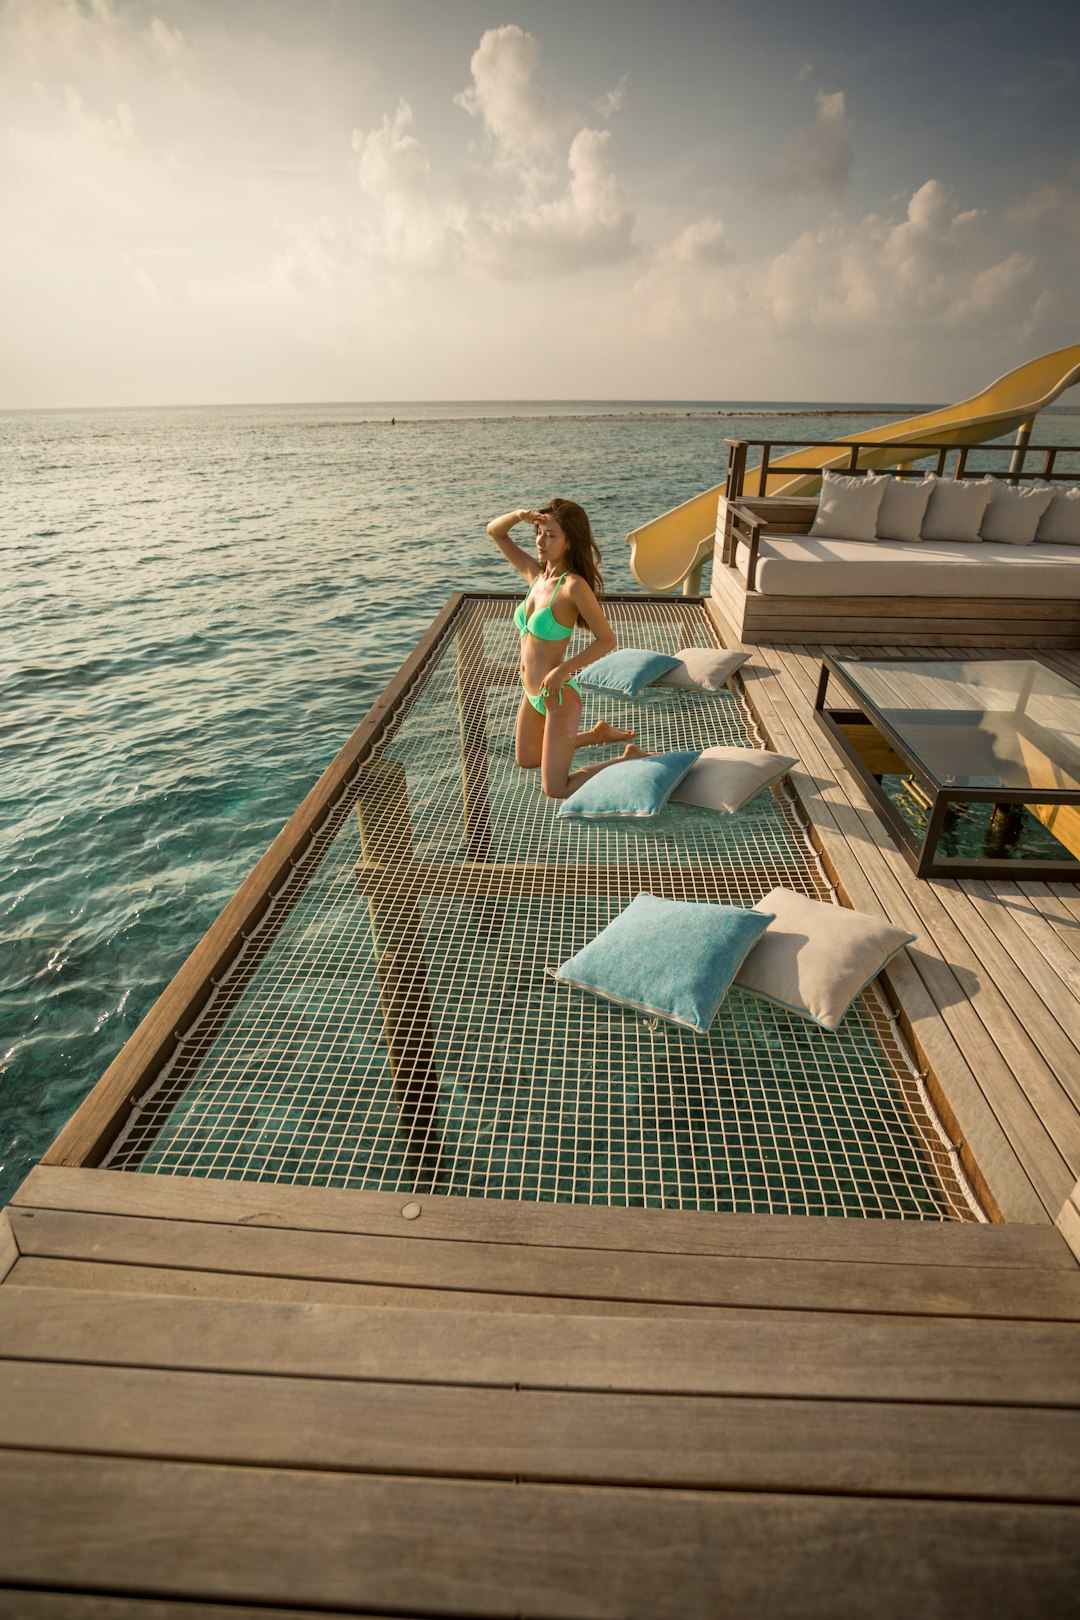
{"x": 196, "y": 218}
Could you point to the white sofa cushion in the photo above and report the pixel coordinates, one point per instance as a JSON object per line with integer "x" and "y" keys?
{"x": 848, "y": 507}
{"x": 903, "y": 506}
{"x": 955, "y": 509}
{"x": 797, "y": 565}
{"x": 1013, "y": 513}
{"x": 1060, "y": 523}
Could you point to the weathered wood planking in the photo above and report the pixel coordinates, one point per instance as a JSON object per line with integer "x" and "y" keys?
{"x": 947, "y": 1031}
{"x": 555, "y": 1272}
{"x": 1001, "y": 988}
{"x": 124, "y": 1279}
{"x": 805, "y": 1354}
{"x": 673, "y": 1442}
{"x": 472, "y": 1547}
{"x": 23, "y": 1604}
{"x": 492, "y": 1220}
{"x": 9, "y": 1249}
{"x": 1021, "y": 1022}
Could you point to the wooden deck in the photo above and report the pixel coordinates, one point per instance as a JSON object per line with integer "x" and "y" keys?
{"x": 989, "y": 996}
{"x": 287, "y": 1400}
{"x": 236, "y": 1399}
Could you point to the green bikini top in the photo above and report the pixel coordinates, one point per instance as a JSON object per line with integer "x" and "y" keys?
{"x": 543, "y": 624}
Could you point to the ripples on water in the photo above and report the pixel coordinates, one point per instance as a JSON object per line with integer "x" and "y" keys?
{"x": 199, "y": 607}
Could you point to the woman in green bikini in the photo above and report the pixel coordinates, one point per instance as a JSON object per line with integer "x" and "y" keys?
{"x": 564, "y": 577}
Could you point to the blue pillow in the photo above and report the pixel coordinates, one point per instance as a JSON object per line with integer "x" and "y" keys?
{"x": 630, "y": 787}
{"x": 626, "y": 670}
{"x": 674, "y": 959}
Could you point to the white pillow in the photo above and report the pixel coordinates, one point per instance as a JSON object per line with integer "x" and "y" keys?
{"x": 903, "y": 507}
{"x": 1014, "y": 512}
{"x": 1060, "y": 523}
{"x": 702, "y": 669}
{"x": 848, "y": 508}
{"x": 724, "y": 778}
{"x": 955, "y": 509}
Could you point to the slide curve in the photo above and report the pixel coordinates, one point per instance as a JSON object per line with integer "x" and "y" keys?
{"x": 664, "y": 551}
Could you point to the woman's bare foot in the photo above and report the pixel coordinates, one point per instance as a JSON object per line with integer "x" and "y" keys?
{"x": 602, "y": 733}
{"x": 632, "y": 751}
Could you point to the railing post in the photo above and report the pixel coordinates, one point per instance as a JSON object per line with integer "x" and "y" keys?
{"x": 736, "y": 469}
{"x": 763, "y": 473}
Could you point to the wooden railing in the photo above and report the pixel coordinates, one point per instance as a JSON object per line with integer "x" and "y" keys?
{"x": 754, "y": 480}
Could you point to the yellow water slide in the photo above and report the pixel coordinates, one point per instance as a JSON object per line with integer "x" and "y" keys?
{"x": 666, "y": 550}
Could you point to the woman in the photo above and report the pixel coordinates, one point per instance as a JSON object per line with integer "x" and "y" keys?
{"x": 564, "y": 578}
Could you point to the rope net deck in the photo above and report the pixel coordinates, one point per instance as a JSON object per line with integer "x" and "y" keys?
{"x": 393, "y": 1023}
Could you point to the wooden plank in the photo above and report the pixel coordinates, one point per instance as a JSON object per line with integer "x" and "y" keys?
{"x": 736, "y": 1352}
{"x": 875, "y": 878}
{"x": 9, "y": 1249}
{"x": 1010, "y": 1048}
{"x": 23, "y": 1604}
{"x": 29, "y": 1272}
{"x": 430, "y": 1263}
{"x": 1050, "y": 907}
{"x": 94, "y": 1125}
{"x": 971, "y": 612}
{"x": 491, "y": 1220}
{"x": 907, "y": 621}
{"x": 568, "y": 1553}
{"x": 1012, "y": 1454}
{"x": 1068, "y": 1224}
{"x": 1033, "y": 947}
{"x": 1039, "y": 1000}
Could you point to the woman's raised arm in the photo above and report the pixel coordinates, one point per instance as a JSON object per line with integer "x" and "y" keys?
{"x": 499, "y": 531}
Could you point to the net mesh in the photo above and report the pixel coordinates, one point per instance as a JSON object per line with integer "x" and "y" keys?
{"x": 393, "y": 1023}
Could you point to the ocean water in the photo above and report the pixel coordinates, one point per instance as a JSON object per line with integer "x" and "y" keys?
{"x": 200, "y": 605}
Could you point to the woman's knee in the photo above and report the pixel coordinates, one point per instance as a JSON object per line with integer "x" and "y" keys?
{"x": 553, "y": 788}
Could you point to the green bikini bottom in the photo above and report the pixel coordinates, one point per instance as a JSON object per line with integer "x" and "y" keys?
{"x": 538, "y": 701}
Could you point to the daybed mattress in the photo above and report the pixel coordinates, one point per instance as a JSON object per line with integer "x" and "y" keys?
{"x": 798, "y": 566}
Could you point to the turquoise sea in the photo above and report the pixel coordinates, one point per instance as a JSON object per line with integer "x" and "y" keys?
{"x": 199, "y": 607}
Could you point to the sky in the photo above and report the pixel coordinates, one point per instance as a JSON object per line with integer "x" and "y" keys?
{"x": 245, "y": 201}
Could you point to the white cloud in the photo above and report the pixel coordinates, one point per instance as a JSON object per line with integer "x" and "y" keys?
{"x": 939, "y": 264}
{"x": 615, "y": 100}
{"x": 1056, "y": 206}
{"x": 96, "y": 37}
{"x": 516, "y": 113}
{"x": 939, "y": 267}
{"x": 702, "y": 243}
{"x": 814, "y": 163}
{"x": 514, "y": 221}
{"x": 591, "y": 224}
{"x": 394, "y": 171}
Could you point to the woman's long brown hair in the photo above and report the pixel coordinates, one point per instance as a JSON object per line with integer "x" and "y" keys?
{"x": 584, "y": 552}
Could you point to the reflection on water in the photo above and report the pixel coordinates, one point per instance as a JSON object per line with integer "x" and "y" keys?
{"x": 973, "y": 831}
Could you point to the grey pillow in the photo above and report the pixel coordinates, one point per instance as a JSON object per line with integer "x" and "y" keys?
{"x": 1013, "y": 514}
{"x": 703, "y": 668}
{"x": 815, "y": 958}
{"x": 724, "y": 778}
{"x": 903, "y": 507}
{"x": 848, "y": 507}
{"x": 1060, "y": 523}
{"x": 955, "y": 509}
